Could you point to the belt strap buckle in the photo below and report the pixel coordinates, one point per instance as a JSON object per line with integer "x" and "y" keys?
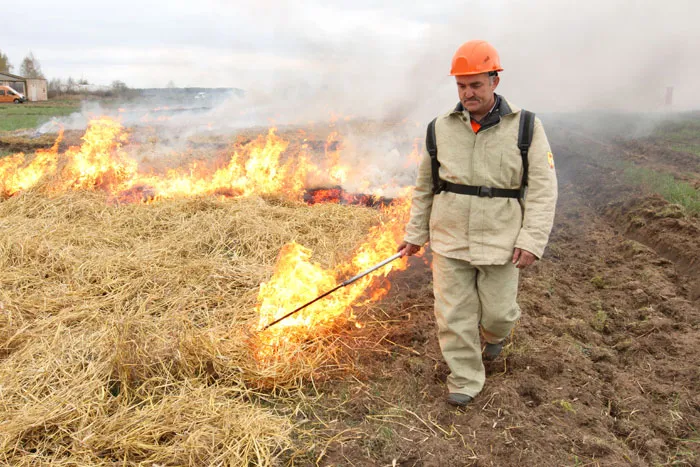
{"x": 442, "y": 185}
{"x": 484, "y": 192}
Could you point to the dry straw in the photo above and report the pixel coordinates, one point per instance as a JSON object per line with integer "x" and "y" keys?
{"x": 125, "y": 329}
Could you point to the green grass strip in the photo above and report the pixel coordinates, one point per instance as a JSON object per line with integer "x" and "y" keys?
{"x": 31, "y": 115}
{"x": 693, "y": 148}
{"x": 673, "y": 191}
{"x": 683, "y": 136}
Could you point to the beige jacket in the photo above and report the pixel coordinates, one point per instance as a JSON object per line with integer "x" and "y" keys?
{"x": 484, "y": 230}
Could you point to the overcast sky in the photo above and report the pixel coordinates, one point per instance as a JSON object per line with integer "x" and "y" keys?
{"x": 352, "y": 54}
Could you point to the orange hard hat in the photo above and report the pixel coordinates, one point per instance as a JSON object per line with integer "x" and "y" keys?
{"x": 475, "y": 57}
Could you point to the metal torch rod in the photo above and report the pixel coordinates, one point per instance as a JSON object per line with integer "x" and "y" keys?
{"x": 343, "y": 284}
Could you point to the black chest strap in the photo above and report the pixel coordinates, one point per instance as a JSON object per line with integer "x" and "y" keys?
{"x": 525, "y": 133}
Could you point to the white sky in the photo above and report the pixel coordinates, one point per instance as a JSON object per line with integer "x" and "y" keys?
{"x": 393, "y": 58}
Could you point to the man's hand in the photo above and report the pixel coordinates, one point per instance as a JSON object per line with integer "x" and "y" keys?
{"x": 523, "y": 258}
{"x": 408, "y": 249}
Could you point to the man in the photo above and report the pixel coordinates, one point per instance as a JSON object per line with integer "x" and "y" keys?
{"x": 482, "y": 228}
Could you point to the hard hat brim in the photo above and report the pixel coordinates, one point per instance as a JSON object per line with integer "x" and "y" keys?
{"x": 474, "y": 72}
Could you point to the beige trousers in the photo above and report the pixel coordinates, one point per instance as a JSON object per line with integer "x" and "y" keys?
{"x": 466, "y": 297}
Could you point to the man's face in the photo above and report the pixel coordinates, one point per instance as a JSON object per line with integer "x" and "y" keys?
{"x": 476, "y": 92}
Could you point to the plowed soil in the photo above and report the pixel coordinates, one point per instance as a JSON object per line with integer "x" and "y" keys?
{"x": 601, "y": 370}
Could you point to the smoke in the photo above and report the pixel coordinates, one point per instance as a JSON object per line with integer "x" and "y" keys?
{"x": 392, "y": 62}
{"x": 304, "y": 60}
{"x": 349, "y": 62}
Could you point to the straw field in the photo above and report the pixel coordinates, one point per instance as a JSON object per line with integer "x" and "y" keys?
{"x": 127, "y": 332}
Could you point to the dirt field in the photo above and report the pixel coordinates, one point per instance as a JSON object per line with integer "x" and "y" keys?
{"x": 601, "y": 370}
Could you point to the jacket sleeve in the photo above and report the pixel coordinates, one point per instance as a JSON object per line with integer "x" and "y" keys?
{"x": 541, "y": 198}
{"x": 418, "y": 227}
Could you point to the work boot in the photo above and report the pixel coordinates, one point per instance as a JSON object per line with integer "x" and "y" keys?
{"x": 491, "y": 351}
{"x": 458, "y": 400}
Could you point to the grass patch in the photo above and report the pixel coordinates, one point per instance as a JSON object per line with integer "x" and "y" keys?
{"x": 681, "y": 136}
{"x": 680, "y": 130}
{"x": 599, "y": 321}
{"x": 693, "y": 148}
{"x": 598, "y": 282}
{"x": 32, "y": 114}
{"x": 566, "y": 405}
{"x": 674, "y": 191}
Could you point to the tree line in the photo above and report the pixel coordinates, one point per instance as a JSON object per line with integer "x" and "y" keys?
{"x": 30, "y": 67}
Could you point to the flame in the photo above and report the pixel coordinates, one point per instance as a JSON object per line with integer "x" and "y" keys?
{"x": 266, "y": 164}
{"x": 101, "y": 162}
{"x": 338, "y": 173}
{"x": 416, "y": 154}
{"x": 298, "y": 280}
{"x": 338, "y": 195}
{"x": 332, "y": 148}
{"x": 324, "y": 195}
{"x": 254, "y": 168}
{"x": 16, "y": 176}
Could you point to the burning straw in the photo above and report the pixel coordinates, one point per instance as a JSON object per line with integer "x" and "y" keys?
{"x": 125, "y": 330}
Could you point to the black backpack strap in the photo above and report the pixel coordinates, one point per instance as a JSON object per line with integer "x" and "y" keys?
{"x": 525, "y": 132}
{"x": 431, "y": 145}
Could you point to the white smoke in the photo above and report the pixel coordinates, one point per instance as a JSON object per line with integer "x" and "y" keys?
{"x": 306, "y": 65}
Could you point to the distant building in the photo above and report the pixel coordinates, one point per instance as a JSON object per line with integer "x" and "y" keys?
{"x": 33, "y": 89}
